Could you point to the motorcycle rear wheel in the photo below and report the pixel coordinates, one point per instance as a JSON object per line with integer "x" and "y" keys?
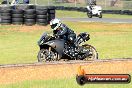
{"x": 43, "y": 56}
{"x": 93, "y": 55}
{"x": 100, "y": 16}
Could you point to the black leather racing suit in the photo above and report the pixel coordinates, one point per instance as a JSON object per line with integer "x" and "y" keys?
{"x": 65, "y": 33}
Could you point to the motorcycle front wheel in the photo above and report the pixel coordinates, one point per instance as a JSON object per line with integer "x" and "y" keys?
{"x": 44, "y": 56}
{"x": 89, "y": 14}
{"x": 92, "y": 53}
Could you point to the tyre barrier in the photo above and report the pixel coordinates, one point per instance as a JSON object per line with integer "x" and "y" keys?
{"x": 42, "y": 15}
{"x": 5, "y": 15}
{"x": 29, "y": 15}
{"x": 17, "y": 17}
{"x": 51, "y": 13}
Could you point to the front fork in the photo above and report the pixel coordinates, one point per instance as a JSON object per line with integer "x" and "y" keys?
{"x": 49, "y": 49}
{"x": 49, "y": 53}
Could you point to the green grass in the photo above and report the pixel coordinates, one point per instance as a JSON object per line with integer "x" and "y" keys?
{"x": 18, "y": 47}
{"x": 61, "y": 83}
{"x": 110, "y": 40}
{"x": 75, "y": 14}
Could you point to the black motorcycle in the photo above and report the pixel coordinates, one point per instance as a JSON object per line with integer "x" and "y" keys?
{"x": 55, "y": 49}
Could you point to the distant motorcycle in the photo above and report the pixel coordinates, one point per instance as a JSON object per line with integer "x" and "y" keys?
{"x": 55, "y": 49}
{"x": 94, "y": 11}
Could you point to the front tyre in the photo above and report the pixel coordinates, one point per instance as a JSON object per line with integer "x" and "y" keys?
{"x": 45, "y": 56}
{"x": 92, "y": 53}
{"x": 42, "y": 54}
{"x": 89, "y": 14}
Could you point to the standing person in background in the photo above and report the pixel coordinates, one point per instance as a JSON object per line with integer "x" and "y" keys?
{"x": 113, "y": 2}
{"x": 91, "y": 2}
{"x": 16, "y": 1}
{"x": 25, "y": 1}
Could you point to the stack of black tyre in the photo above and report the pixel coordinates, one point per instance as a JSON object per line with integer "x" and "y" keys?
{"x": 5, "y": 12}
{"x": 41, "y": 15}
{"x": 17, "y": 16}
{"x": 30, "y": 17}
{"x": 51, "y": 13}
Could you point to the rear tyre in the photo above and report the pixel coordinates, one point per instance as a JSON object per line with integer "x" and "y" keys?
{"x": 92, "y": 53}
{"x": 100, "y": 16}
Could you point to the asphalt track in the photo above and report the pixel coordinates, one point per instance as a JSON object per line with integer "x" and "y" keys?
{"x": 106, "y": 20}
{"x": 95, "y": 19}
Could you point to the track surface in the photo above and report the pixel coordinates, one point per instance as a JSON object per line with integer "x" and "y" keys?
{"x": 63, "y": 62}
{"x": 109, "y": 20}
{"x": 59, "y": 70}
{"x": 106, "y": 20}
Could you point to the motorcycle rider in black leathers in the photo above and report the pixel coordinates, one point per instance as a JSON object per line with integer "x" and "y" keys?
{"x": 62, "y": 31}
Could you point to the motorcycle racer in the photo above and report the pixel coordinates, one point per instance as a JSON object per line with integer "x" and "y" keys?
{"x": 62, "y": 31}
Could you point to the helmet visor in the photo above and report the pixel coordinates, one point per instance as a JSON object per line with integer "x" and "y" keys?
{"x": 53, "y": 26}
